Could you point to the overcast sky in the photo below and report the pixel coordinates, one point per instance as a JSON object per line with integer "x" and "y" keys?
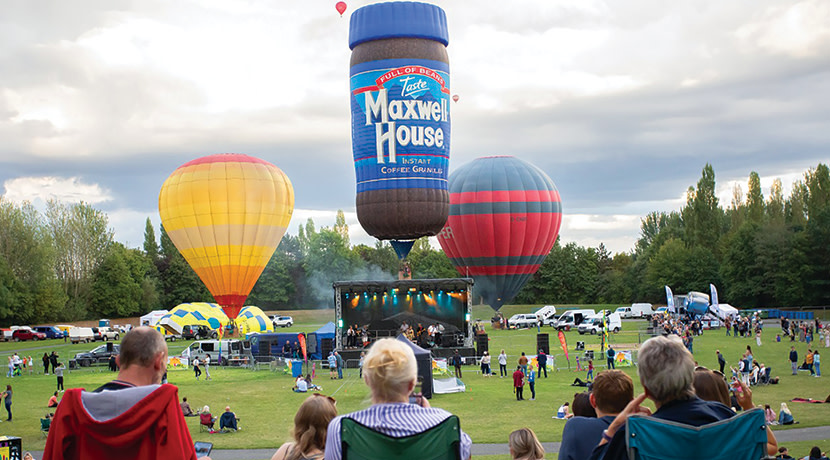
{"x": 622, "y": 102}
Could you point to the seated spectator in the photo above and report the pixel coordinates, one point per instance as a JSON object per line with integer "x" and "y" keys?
{"x": 564, "y": 411}
{"x": 816, "y": 454}
{"x": 524, "y": 445}
{"x": 53, "y": 401}
{"x": 709, "y": 386}
{"x": 311, "y": 385}
{"x": 310, "y": 427}
{"x": 228, "y": 420}
{"x": 206, "y": 419}
{"x": 391, "y": 373}
{"x": 769, "y": 414}
{"x": 582, "y": 406}
{"x": 666, "y": 370}
{"x": 783, "y": 454}
{"x": 300, "y": 386}
{"x": 186, "y": 410}
{"x": 785, "y": 417}
{"x": 613, "y": 389}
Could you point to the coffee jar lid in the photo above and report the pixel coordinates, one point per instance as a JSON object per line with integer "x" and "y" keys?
{"x": 398, "y": 20}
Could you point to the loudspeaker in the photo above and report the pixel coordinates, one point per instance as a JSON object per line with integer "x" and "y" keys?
{"x": 589, "y": 354}
{"x": 580, "y": 345}
{"x": 448, "y": 340}
{"x": 326, "y": 345}
{"x": 110, "y": 347}
{"x": 311, "y": 343}
{"x": 543, "y": 343}
{"x": 482, "y": 344}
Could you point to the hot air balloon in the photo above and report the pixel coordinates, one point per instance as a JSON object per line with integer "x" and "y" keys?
{"x": 341, "y": 7}
{"x": 226, "y": 214}
{"x": 455, "y": 97}
{"x": 504, "y": 217}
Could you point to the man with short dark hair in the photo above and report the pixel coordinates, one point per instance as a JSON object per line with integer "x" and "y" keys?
{"x": 130, "y": 418}
{"x": 721, "y": 361}
{"x": 542, "y": 358}
{"x": 794, "y": 360}
{"x": 612, "y": 390}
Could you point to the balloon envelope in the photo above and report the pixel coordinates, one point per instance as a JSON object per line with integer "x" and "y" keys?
{"x": 226, "y": 214}
{"x": 341, "y": 7}
{"x": 504, "y": 217}
{"x": 252, "y": 319}
{"x": 455, "y": 98}
{"x": 193, "y": 314}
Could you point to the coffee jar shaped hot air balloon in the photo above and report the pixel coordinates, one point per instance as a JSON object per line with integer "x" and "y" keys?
{"x": 226, "y": 214}
{"x": 400, "y": 95}
{"x": 505, "y": 215}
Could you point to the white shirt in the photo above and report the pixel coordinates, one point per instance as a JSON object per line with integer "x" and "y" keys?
{"x": 503, "y": 359}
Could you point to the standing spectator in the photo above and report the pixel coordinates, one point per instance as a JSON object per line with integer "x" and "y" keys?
{"x": 340, "y": 365}
{"x": 542, "y": 358}
{"x": 7, "y": 395}
{"x": 45, "y": 360}
{"x": 30, "y": 364}
{"x": 59, "y": 375}
{"x": 590, "y": 375}
{"x": 112, "y": 366}
{"x": 53, "y": 358}
{"x": 360, "y": 363}
{"x": 610, "y": 357}
{"x": 196, "y": 371}
{"x": 525, "y": 446}
{"x": 523, "y": 363}
{"x": 809, "y": 360}
{"x": 721, "y": 361}
{"x": 612, "y": 390}
{"x": 502, "y": 364}
{"x": 207, "y": 367}
{"x": 758, "y": 336}
{"x": 518, "y": 383}
{"x": 456, "y": 363}
{"x": 531, "y": 382}
{"x": 286, "y": 349}
{"x": 485, "y": 365}
{"x": 332, "y": 362}
{"x": 794, "y": 360}
{"x": 817, "y": 363}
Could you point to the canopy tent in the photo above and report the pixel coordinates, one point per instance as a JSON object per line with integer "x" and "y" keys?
{"x": 324, "y": 333}
{"x": 424, "y": 360}
{"x": 726, "y": 311}
{"x": 252, "y": 319}
{"x": 152, "y": 318}
{"x": 197, "y": 313}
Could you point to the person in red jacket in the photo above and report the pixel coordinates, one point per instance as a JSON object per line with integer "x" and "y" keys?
{"x": 519, "y": 383}
{"x": 133, "y": 417}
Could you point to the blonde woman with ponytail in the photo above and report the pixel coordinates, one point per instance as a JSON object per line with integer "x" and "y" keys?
{"x": 390, "y": 371}
{"x": 309, "y": 433}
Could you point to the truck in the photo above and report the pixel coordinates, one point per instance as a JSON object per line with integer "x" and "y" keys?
{"x": 572, "y": 318}
{"x": 636, "y": 310}
{"x": 546, "y": 313}
{"x": 593, "y": 324}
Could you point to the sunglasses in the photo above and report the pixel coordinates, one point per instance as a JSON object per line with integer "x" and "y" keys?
{"x": 333, "y": 401}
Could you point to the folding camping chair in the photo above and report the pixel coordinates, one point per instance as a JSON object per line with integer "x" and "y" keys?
{"x": 45, "y": 424}
{"x": 441, "y": 442}
{"x": 765, "y": 378}
{"x": 743, "y": 436}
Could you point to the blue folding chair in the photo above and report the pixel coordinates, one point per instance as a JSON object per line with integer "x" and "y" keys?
{"x": 743, "y": 436}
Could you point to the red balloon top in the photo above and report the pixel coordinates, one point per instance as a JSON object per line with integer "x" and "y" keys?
{"x": 341, "y": 7}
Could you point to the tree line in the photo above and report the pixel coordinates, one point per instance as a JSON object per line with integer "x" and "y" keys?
{"x": 63, "y": 264}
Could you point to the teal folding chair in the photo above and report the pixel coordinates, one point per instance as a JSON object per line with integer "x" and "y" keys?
{"x": 743, "y": 436}
{"x": 441, "y": 442}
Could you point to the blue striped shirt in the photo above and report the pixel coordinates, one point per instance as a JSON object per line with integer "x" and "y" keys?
{"x": 393, "y": 419}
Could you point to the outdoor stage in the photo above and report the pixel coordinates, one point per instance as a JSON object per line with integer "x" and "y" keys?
{"x": 383, "y": 306}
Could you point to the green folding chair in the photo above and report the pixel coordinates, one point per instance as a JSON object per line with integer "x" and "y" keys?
{"x": 441, "y": 442}
{"x": 45, "y": 424}
{"x": 743, "y": 436}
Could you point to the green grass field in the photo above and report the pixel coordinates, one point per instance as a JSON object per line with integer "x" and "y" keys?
{"x": 488, "y": 410}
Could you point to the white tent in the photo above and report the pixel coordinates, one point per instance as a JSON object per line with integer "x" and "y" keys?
{"x": 727, "y": 311}
{"x": 150, "y": 319}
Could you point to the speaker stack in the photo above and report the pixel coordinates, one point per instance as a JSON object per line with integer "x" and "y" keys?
{"x": 326, "y": 346}
{"x": 482, "y": 344}
{"x": 543, "y": 343}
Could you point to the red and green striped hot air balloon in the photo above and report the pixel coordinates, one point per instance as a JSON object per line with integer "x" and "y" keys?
{"x": 504, "y": 218}
{"x": 226, "y": 214}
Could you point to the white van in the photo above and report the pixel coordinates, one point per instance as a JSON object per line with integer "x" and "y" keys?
{"x": 523, "y": 320}
{"x": 636, "y": 310}
{"x": 81, "y": 334}
{"x": 546, "y": 313}
{"x": 231, "y": 350}
{"x": 593, "y": 325}
{"x": 573, "y": 318}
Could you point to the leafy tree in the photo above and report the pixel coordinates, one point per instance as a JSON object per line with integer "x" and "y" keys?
{"x": 702, "y": 217}
{"x": 116, "y": 289}
{"x": 754, "y": 199}
{"x": 775, "y": 204}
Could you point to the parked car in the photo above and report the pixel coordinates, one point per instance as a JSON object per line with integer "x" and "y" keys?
{"x": 51, "y": 332}
{"x": 193, "y": 331}
{"x": 96, "y": 334}
{"x": 108, "y": 333}
{"x": 282, "y": 321}
{"x": 100, "y": 354}
{"x": 26, "y": 333}
{"x": 523, "y": 320}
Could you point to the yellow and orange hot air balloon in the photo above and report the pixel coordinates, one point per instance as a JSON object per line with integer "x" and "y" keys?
{"x": 226, "y": 214}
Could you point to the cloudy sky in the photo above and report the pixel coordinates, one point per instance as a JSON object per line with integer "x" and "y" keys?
{"x": 621, "y": 102}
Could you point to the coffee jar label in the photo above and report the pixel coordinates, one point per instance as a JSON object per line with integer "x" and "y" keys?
{"x": 400, "y": 124}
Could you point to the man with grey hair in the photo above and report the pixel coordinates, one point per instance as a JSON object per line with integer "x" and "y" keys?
{"x": 666, "y": 370}
{"x": 133, "y": 417}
